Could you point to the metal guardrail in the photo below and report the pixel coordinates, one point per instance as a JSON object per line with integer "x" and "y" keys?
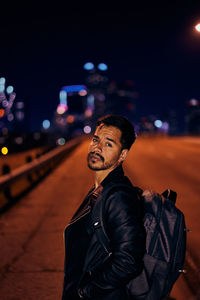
{"x": 32, "y": 172}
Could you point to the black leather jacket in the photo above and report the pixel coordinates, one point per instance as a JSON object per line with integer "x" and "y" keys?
{"x": 105, "y": 276}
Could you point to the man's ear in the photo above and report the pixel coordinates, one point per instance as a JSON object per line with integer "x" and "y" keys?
{"x": 123, "y": 155}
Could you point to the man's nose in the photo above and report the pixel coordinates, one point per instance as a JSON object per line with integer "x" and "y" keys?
{"x": 98, "y": 147}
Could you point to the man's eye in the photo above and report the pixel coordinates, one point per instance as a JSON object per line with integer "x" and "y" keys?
{"x": 109, "y": 144}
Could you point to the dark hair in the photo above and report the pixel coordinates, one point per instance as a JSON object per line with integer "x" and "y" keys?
{"x": 128, "y": 135}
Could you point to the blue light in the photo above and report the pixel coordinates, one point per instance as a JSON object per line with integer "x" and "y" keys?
{"x": 2, "y": 88}
{"x": 46, "y": 124}
{"x": 90, "y": 100}
{"x": 63, "y": 97}
{"x": 88, "y": 66}
{"x": 2, "y": 80}
{"x": 102, "y": 67}
{"x": 74, "y": 88}
{"x": 158, "y": 123}
{"x": 9, "y": 89}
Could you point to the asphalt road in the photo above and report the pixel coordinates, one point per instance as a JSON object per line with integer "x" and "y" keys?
{"x": 31, "y": 233}
{"x": 174, "y": 163}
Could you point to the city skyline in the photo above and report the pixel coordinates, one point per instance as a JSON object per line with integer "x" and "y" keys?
{"x": 155, "y": 46}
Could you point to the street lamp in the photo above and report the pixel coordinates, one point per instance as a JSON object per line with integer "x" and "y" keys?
{"x": 197, "y": 27}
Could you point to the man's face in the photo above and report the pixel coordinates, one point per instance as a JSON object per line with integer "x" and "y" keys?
{"x": 105, "y": 150}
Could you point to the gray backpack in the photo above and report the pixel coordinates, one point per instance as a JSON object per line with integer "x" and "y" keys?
{"x": 165, "y": 242}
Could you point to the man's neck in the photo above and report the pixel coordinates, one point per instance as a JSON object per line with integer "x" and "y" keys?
{"x": 100, "y": 176}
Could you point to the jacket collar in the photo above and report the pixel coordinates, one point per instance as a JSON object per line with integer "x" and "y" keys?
{"x": 114, "y": 175}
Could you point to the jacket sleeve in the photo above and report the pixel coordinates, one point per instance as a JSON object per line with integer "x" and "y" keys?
{"x": 127, "y": 236}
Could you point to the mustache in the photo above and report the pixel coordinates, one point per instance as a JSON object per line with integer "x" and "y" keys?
{"x": 96, "y": 154}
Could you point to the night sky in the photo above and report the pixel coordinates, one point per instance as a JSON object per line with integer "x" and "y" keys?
{"x": 44, "y": 47}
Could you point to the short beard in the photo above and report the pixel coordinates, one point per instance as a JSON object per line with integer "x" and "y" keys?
{"x": 103, "y": 167}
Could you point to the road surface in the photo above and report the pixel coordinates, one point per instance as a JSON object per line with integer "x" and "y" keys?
{"x": 31, "y": 233}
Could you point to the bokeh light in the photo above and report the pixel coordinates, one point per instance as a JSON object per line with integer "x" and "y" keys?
{"x": 88, "y": 66}
{"x": 20, "y": 105}
{"x": 102, "y": 67}
{"x": 90, "y": 100}
{"x": 63, "y": 97}
{"x": 46, "y": 124}
{"x": 2, "y": 113}
{"x": 9, "y": 89}
{"x": 88, "y": 112}
{"x": 83, "y": 93}
{"x": 2, "y": 88}
{"x": 10, "y": 117}
{"x": 158, "y": 123}
{"x": 193, "y": 102}
{"x": 61, "y": 109}
{"x": 2, "y": 80}
{"x": 197, "y": 27}
{"x": 5, "y": 103}
{"x": 61, "y": 141}
{"x": 19, "y": 140}
{"x": 87, "y": 129}
{"x": 70, "y": 119}
{"x": 19, "y": 115}
{"x": 4, "y": 150}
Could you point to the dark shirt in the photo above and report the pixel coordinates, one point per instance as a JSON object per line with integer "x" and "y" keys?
{"x": 77, "y": 238}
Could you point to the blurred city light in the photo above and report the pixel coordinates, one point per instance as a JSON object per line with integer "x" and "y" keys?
{"x": 61, "y": 109}
{"x": 20, "y": 105}
{"x": 4, "y": 150}
{"x": 158, "y": 123}
{"x": 165, "y": 126}
{"x": 2, "y": 88}
{"x": 88, "y": 112}
{"x": 87, "y": 129}
{"x": 90, "y": 100}
{"x": 88, "y": 66}
{"x": 4, "y": 103}
{"x": 9, "y": 89}
{"x": 193, "y": 102}
{"x": 197, "y": 27}
{"x": 102, "y": 67}
{"x": 19, "y": 115}
{"x": 70, "y": 119}
{"x": 10, "y": 117}
{"x": 61, "y": 141}
{"x": 74, "y": 88}
{"x": 63, "y": 97}
{"x": 46, "y": 124}
{"x": 19, "y": 140}
{"x": 2, "y": 80}
{"x": 2, "y": 112}
{"x": 83, "y": 93}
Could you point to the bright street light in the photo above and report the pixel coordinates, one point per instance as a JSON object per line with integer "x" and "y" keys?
{"x": 197, "y": 27}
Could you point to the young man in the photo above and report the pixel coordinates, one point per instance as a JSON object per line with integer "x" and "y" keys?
{"x": 90, "y": 272}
